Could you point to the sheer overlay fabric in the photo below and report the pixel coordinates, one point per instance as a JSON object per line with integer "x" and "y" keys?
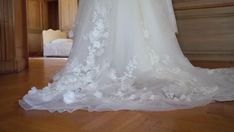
{"x": 126, "y": 57}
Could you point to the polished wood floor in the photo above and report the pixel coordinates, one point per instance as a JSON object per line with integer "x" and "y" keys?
{"x": 215, "y": 117}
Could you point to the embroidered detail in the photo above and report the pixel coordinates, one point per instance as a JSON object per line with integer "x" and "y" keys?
{"x": 77, "y": 76}
{"x": 80, "y": 76}
{"x": 98, "y": 94}
{"x": 146, "y": 34}
{"x": 128, "y": 78}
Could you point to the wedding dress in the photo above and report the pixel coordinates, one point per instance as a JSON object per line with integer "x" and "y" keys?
{"x": 126, "y": 57}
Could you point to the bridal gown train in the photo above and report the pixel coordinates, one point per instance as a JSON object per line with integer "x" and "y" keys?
{"x": 126, "y": 57}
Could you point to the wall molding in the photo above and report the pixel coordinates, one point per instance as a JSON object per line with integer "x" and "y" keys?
{"x": 206, "y": 29}
{"x": 201, "y": 4}
{"x": 210, "y": 55}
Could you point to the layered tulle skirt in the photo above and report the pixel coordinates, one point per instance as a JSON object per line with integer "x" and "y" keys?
{"x": 126, "y": 57}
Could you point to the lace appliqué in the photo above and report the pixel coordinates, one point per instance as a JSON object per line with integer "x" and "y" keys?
{"x": 184, "y": 86}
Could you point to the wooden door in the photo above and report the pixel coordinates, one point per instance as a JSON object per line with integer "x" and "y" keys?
{"x": 37, "y": 20}
{"x": 13, "y": 36}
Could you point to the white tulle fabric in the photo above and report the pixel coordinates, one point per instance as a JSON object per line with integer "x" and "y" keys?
{"x": 126, "y": 57}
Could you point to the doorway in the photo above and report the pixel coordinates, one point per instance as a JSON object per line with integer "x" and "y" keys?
{"x": 41, "y": 15}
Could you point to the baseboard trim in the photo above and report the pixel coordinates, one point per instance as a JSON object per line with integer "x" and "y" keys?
{"x": 210, "y": 56}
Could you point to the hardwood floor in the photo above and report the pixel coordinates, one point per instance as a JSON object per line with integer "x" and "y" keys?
{"x": 215, "y": 117}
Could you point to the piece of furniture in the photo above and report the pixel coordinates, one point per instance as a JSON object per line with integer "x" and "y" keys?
{"x": 56, "y": 43}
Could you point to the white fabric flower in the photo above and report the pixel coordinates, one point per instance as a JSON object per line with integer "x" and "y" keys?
{"x": 33, "y": 90}
{"x": 98, "y": 94}
{"x": 69, "y": 97}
